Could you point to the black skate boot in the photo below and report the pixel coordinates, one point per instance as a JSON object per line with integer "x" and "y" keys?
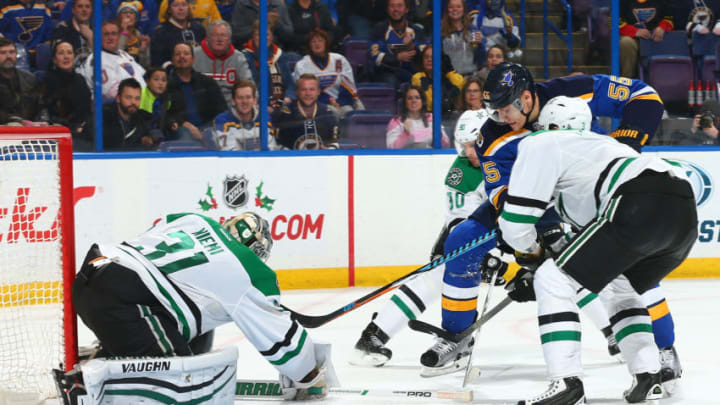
{"x": 670, "y": 368}
{"x": 446, "y": 356}
{"x": 613, "y": 348}
{"x": 645, "y": 386}
{"x": 562, "y": 391}
{"x": 370, "y": 350}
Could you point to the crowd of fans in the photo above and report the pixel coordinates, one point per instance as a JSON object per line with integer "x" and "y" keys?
{"x": 188, "y": 70}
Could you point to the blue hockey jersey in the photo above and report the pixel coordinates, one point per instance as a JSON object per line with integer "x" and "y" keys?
{"x": 28, "y": 25}
{"x": 636, "y": 104}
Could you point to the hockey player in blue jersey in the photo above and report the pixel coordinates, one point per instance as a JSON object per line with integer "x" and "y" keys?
{"x": 515, "y": 102}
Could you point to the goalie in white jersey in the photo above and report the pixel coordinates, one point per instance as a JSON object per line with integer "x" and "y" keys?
{"x": 620, "y": 200}
{"x": 164, "y": 292}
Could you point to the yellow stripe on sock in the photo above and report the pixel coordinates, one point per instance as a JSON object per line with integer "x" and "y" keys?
{"x": 659, "y": 310}
{"x": 459, "y": 305}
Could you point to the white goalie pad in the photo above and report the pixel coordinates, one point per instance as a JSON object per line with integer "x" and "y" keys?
{"x": 209, "y": 378}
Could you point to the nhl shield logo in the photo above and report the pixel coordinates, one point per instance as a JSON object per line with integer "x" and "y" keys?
{"x": 235, "y": 193}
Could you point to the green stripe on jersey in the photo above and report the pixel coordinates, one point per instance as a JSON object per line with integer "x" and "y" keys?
{"x": 463, "y": 177}
{"x": 633, "y": 328}
{"x": 588, "y": 299}
{"x": 406, "y": 310}
{"x": 289, "y": 355}
{"x": 617, "y": 173}
{"x": 159, "y": 331}
{"x": 559, "y": 336}
{"x": 519, "y": 218}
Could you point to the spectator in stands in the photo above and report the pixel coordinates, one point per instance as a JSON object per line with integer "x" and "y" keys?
{"x": 218, "y": 58}
{"x": 702, "y": 20}
{"x": 497, "y": 27}
{"x": 26, "y": 22}
{"x": 148, "y": 13}
{"x": 421, "y": 14}
{"x": 470, "y": 96}
{"x": 178, "y": 27}
{"x": 117, "y": 65}
{"x": 19, "y": 98}
{"x": 225, "y": 7}
{"x": 452, "y": 81}
{"x": 67, "y": 97}
{"x": 196, "y": 94}
{"x": 239, "y": 127}
{"x": 334, "y": 72}
{"x": 705, "y": 125}
{"x": 307, "y": 15}
{"x": 282, "y": 86}
{"x": 132, "y": 40}
{"x": 123, "y": 127}
{"x": 160, "y": 114}
{"x": 458, "y": 42}
{"x": 203, "y": 11}
{"x": 640, "y": 19}
{"x": 356, "y": 18}
{"x": 496, "y": 55}
{"x": 394, "y": 44}
{"x": 77, "y": 31}
{"x": 306, "y": 123}
{"x": 246, "y": 13}
{"x": 413, "y": 127}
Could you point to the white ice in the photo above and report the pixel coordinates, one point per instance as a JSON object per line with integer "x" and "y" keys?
{"x": 510, "y": 355}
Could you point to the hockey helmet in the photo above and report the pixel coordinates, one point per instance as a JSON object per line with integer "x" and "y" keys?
{"x": 252, "y": 231}
{"x": 468, "y": 128}
{"x": 504, "y": 85}
{"x": 564, "y": 112}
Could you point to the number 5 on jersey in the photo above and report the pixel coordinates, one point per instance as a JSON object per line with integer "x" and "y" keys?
{"x": 492, "y": 174}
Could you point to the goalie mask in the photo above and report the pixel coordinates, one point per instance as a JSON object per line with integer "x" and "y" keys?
{"x": 565, "y": 113}
{"x": 252, "y": 231}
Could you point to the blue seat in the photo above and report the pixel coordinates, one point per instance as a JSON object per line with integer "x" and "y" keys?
{"x": 42, "y": 56}
{"x": 368, "y": 128}
{"x": 667, "y": 66}
{"x": 356, "y": 52}
{"x": 180, "y": 146}
{"x": 378, "y": 96}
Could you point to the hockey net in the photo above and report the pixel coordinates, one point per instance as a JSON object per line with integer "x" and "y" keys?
{"x": 37, "y": 267}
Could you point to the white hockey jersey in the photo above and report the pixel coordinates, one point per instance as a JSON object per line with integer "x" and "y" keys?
{"x": 116, "y": 67}
{"x": 196, "y": 255}
{"x": 565, "y": 166}
{"x": 336, "y": 77}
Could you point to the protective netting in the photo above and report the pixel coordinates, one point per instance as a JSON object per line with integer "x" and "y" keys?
{"x": 31, "y": 287}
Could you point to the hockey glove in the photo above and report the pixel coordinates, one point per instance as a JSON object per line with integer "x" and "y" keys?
{"x": 490, "y": 265}
{"x": 531, "y": 261}
{"x": 554, "y": 240}
{"x": 438, "y": 249}
{"x": 520, "y": 289}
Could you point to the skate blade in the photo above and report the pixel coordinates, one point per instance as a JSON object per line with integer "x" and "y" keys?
{"x": 472, "y": 376}
{"x": 457, "y": 365}
{"x": 363, "y": 359}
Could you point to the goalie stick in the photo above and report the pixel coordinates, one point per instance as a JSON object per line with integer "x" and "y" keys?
{"x": 271, "y": 389}
{"x": 314, "y": 321}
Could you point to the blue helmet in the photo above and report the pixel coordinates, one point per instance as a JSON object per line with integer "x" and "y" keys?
{"x": 504, "y": 86}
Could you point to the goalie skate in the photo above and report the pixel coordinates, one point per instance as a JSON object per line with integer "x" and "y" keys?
{"x": 446, "y": 357}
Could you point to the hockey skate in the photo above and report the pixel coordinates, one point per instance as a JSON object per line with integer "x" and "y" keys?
{"x": 446, "y": 357}
{"x": 370, "y": 350}
{"x": 613, "y": 348}
{"x": 670, "y": 368}
{"x": 562, "y": 391}
{"x": 645, "y": 386}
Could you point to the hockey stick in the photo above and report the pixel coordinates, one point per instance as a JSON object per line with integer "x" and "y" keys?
{"x": 271, "y": 389}
{"x": 314, "y": 321}
{"x": 471, "y": 372}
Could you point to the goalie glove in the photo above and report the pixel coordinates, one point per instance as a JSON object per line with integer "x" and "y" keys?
{"x": 520, "y": 289}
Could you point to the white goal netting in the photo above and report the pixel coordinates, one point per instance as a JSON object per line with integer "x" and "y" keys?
{"x": 31, "y": 271}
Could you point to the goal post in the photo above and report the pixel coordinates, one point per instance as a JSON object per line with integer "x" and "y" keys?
{"x": 38, "y": 330}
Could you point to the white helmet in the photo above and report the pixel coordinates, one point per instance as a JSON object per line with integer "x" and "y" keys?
{"x": 252, "y": 231}
{"x": 563, "y": 112}
{"x": 468, "y": 128}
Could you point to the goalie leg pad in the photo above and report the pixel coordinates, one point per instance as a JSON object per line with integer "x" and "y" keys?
{"x": 208, "y": 377}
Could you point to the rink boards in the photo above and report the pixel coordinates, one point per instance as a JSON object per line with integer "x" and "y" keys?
{"x": 336, "y": 220}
